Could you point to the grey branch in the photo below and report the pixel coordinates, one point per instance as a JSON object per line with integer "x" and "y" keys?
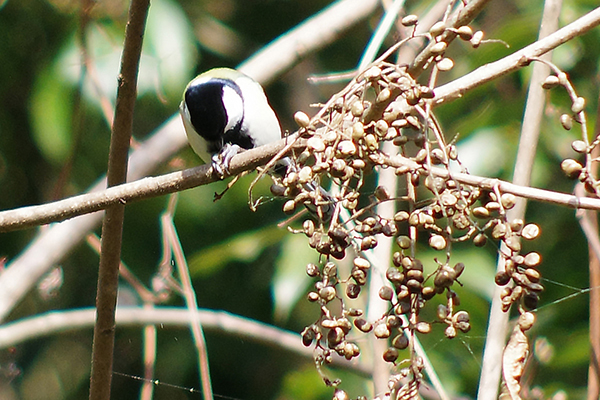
{"x": 55, "y": 322}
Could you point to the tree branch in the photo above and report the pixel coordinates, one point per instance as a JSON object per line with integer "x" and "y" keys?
{"x": 486, "y": 73}
{"x": 55, "y": 322}
{"x": 112, "y": 225}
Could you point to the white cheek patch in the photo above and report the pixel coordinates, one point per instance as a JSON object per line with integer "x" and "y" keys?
{"x": 234, "y": 107}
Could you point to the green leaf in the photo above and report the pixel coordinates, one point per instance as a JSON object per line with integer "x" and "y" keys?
{"x": 50, "y": 116}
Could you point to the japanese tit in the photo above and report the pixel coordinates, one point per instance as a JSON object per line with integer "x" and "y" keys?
{"x": 224, "y": 111}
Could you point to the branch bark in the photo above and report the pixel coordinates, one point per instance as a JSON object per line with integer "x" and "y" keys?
{"x": 112, "y": 226}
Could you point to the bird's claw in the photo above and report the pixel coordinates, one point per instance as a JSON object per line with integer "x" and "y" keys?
{"x": 220, "y": 161}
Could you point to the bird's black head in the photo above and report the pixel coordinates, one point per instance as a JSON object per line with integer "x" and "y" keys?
{"x": 209, "y": 114}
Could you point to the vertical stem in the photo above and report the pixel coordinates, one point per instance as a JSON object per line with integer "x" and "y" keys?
{"x": 498, "y": 323}
{"x": 112, "y": 225}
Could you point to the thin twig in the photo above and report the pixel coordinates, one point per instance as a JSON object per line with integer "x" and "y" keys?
{"x": 174, "y": 248}
{"x": 112, "y": 226}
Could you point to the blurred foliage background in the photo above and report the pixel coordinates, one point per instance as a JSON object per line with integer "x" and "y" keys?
{"x": 54, "y": 135}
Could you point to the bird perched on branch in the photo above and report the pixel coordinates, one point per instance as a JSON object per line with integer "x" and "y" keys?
{"x": 225, "y": 111}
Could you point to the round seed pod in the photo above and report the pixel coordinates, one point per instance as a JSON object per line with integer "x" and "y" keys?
{"x": 499, "y": 231}
{"x": 404, "y": 242}
{"x": 579, "y": 146}
{"x": 444, "y": 277}
{"x": 327, "y": 293}
{"x": 480, "y": 240}
{"x": 312, "y": 270}
{"x": 402, "y": 308}
{"x": 531, "y": 300}
{"x": 400, "y": 341}
{"x": 476, "y": 39}
{"x": 340, "y": 394}
{"x": 445, "y": 64}
{"x": 423, "y": 327}
{"x": 394, "y": 276}
{"x": 442, "y": 312}
{"x": 393, "y": 321}
{"x": 550, "y": 82}
{"x": 578, "y": 105}
{"x": 347, "y": 148}
{"x": 438, "y": 48}
{"x": 363, "y": 325}
{"x": 351, "y": 350}
{"x": 427, "y": 292}
{"x": 390, "y": 355}
{"x": 361, "y": 263}
{"x": 357, "y": 109}
{"x": 381, "y": 331}
{"x": 516, "y": 225}
{"x": 533, "y": 275}
{"x": 277, "y": 190}
{"x": 526, "y": 321}
{"x": 289, "y": 206}
{"x": 410, "y": 20}
{"x": 308, "y": 336}
{"x": 508, "y": 200}
{"x": 313, "y": 296}
{"x": 381, "y": 193}
{"x": 465, "y": 32}
{"x": 532, "y": 259}
{"x": 301, "y": 119}
{"x": 502, "y": 278}
{"x": 437, "y": 29}
{"x": 352, "y": 290}
{"x": 386, "y": 293}
{"x": 373, "y": 73}
{"x": 358, "y": 131}
{"x": 359, "y": 276}
{"x": 571, "y": 168}
{"x": 458, "y": 269}
{"x": 355, "y": 312}
{"x": 450, "y": 332}
{"x": 308, "y": 226}
{"x": 437, "y": 242}
{"x": 566, "y": 121}
{"x": 401, "y": 216}
{"x": 384, "y": 95}
{"x": 414, "y": 286}
{"x": 481, "y": 212}
{"x": 316, "y": 144}
{"x": 330, "y": 269}
{"x": 335, "y": 336}
{"x": 368, "y": 242}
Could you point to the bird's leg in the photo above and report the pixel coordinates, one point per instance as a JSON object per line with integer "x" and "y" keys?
{"x": 221, "y": 160}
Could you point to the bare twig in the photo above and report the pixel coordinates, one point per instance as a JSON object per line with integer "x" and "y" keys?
{"x": 13, "y": 333}
{"x": 174, "y": 247}
{"x": 112, "y": 227}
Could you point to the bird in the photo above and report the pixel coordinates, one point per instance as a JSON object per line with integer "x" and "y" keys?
{"x": 225, "y": 111}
